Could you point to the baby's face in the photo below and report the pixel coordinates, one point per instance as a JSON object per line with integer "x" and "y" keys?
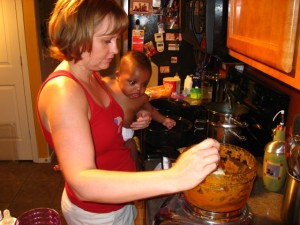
{"x": 134, "y": 83}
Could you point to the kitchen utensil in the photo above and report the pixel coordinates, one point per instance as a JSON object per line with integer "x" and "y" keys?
{"x": 229, "y": 192}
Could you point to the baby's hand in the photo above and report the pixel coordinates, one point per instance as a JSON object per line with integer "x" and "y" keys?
{"x": 143, "y": 120}
{"x": 169, "y": 123}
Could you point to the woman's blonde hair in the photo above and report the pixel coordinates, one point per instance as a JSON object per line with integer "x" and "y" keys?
{"x": 72, "y": 23}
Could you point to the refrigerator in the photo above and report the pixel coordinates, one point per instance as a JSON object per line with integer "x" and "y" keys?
{"x": 173, "y": 34}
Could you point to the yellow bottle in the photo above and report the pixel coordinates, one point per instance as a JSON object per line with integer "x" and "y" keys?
{"x": 275, "y": 163}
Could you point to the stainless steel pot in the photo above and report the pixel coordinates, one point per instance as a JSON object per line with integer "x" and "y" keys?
{"x": 224, "y": 122}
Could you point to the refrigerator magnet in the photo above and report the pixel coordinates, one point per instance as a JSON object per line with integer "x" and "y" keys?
{"x": 164, "y": 69}
{"x": 141, "y": 7}
{"x": 137, "y": 40}
{"x": 160, "y": 46}
{"x": 159, "y": 37}
{"x": 173, "y": 59}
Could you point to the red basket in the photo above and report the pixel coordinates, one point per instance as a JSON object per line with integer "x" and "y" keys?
{"x": 39, "y": 216}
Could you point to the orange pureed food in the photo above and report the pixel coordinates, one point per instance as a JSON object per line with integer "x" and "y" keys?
{"x": 229, "y": 192}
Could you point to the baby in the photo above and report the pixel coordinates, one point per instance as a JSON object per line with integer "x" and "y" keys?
{"x": 128, "y": 88}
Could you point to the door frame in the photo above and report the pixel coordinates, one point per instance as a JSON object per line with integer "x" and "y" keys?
{"x": 29, "y": 90}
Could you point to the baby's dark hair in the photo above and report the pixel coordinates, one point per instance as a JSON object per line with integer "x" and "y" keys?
{"x": 136, "y": 59}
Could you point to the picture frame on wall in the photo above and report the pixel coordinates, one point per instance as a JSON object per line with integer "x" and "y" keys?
{"x": 141, "y": 7}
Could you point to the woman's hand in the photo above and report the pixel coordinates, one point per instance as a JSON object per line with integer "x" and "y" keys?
{"x": 193, "y": 165}
{"x": 143, "y": 120}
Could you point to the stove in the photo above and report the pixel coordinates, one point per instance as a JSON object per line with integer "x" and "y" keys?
{"x": 197, "y": 115}
{"x": 176, "y": 210}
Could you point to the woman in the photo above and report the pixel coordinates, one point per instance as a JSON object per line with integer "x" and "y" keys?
{"x": 82, "y": 122}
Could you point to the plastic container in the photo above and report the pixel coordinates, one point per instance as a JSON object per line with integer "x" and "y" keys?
{"x": 195, "y": 93}
{"x": 178, "y": 83}
{"x": 188, "y": 84}
{"x": 172, "y": 84}
{"x": 38, "y": 216}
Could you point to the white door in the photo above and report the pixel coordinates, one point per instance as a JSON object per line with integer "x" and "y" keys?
{"x": 15, "y": 141}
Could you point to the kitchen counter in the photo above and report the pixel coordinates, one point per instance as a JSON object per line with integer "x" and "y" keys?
{"x": 264, "y": 205}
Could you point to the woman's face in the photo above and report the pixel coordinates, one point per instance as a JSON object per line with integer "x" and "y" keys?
{"x": 104, "y": 48}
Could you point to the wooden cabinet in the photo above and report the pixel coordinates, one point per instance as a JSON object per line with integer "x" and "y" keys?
{"x": 265, "y": 34}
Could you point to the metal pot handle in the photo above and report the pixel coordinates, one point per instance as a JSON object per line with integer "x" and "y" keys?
{"x": 199, "y": 126}
{"x": 241, "y": 138}
{"x": 238, "y": 123}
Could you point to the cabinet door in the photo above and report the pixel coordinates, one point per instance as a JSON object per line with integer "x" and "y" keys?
{"x": 264, "y": 31}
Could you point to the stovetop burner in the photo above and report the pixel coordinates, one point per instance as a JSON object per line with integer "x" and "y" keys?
{"x": 175, "y": 210}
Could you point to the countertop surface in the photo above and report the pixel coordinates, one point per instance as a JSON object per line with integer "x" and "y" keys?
{"x": 264, "y": 205}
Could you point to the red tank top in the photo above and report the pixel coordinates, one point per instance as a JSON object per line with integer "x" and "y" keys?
{"x": 110, "y": 152}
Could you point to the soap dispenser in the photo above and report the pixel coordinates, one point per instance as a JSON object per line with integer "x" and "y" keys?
{"x": 274, "y": 162}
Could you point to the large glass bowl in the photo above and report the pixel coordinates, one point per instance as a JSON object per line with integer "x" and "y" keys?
{"x": 230, "y": 191}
